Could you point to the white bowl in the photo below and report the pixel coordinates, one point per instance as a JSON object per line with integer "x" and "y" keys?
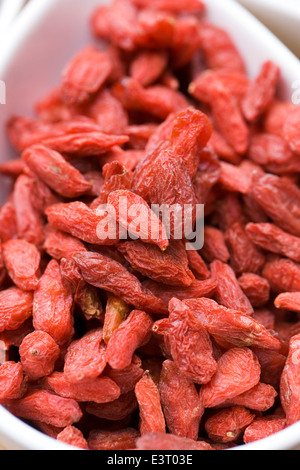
{"x": 281, "y": 16}
{"x": 9, "y": 9}
{"x": 44, "y": 37}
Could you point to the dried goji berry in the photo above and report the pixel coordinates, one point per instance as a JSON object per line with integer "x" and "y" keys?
{"x": 78, "y": 220}
{"x": 99, "y": 389}
{"x": 274, "y": 239}
{"x": 60, "y": 245}
{"x": 169, "y": 5}
{"x": 151, "y": 414}
{"x": 169, "y": 267}
{"x": 73, "y": 437}
{"x": 229, "y": 292}
{"x": 47, "y": 407}
{"x": 273, "y": 153}
{"x": 8, "y": 222}
{"x": 30, "y": 226}
{"x": 15, "y": 308}
{"x": 231, "y": 325}
{"x": 115, "y": 410}
{"x": 282, "y": 274}
{"x": 12, "y": 381}
{"x": 259, "y": 398}
{"x": 228, "y": 424}
{"x": 107, "y": 274}
{"x": 261, "y": 91}
{"x": 55, "y": 171}
{"x": 280, "y": 201}
{"x": 161, "y": 441}
{"x": 86, "y": 357}
{"x": 147, "y": 67}
{"x": 128, "y": 377}
{"x": 180, "y": 402}
{"x": 219, "y": 50}
{"x": 238, "y": 371}
{"x": 134, "y": 214}
{"x": 214, "y": 245}
{"x": 84, "y": 75}
{"x": 53, "y": 305}
{"x": 290, "y": 132}
{"x": 109, "y": 113}
{"x": 157, "y": 100}
{"x": 190, "y": 345}
{"x": 38, "y": 353}
{"x": 128, "y": 337}
{"x": 206, "y": 288}
{"x": 245, "y": 256}
{"x": 22, "y": 261}
{"x": 256, "y": 288}
{"x": 289, "y": 383}
{"x": 113, "y": 440}
{"x": 263, "y": 427}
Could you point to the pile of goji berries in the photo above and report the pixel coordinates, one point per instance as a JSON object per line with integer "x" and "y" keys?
{"x": 133, "y": 344}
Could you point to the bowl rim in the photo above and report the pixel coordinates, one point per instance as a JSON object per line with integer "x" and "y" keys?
{"x": 278, "y": 7}
{"x": 13, "y": 428}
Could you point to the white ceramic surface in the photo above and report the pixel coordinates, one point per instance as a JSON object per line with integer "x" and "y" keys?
{"x": 281, "y": 16}
{"x": 9, "y": 9}
{"x": 43, "y": 39}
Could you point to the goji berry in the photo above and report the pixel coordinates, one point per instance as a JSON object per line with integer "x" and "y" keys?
{"x": 289, "y": 383}
{"x": 290, "y": 129}
{"x": 12, "y": 381}
{"x": 190, "y": 345}
{"x": 128, "y": 208}
{"x": 259, "y": 398}
{"x": 256, "y": 288}
{"x": 129, "y": 336}
{"x": 238, "y": 371}
{"x": 107, "y": 274}
{"x": 229, "y": 292}
{"x": 115, "y": 410}
{"x": 272, "y": 238}
{"x": 47, "y": 407}
{"x": 86, "y": 357}
{"x": 55, "y": 171}
{"x": 151, "y": 414}
{"x": 113, "y": 440}
{"x": 263, "y": 427}
{"x": 180, "y": 402}
{"x": 22, "y": 261}
{"x": 84, "y": 75}
{"x": 15, "y": 308}
{"x": 53, "y": 305}
{"x": 228, "y": 424}
{"x": 279, "y": 200}
{"x": 73, "y": 436}
{"x": 246, "y": 256}
{"x": 235, "y": 327}
{"x": 261, "y": 91}
{"x": 169, "y": 267}
{"x": 98, "y": 389}
{"x": 161, "y": 441}
{"x": 38, "y": 354}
